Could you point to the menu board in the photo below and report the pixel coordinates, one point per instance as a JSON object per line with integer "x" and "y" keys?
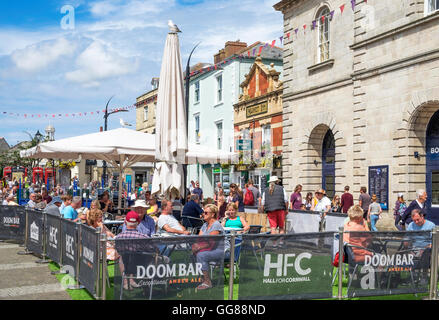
{"x": 379, "y": 184}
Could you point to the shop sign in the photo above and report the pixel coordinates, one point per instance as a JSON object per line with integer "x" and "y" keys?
{"x": 257, "y": 109}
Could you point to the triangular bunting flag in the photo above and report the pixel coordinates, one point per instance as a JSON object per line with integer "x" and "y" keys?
{"x": 323, "y": 19}
{"x": 314, "y": 24}
{"x": 342, "y": 8}
{"x": 260, "y": 50}
{"x": 353, "y": 4}
{"x": 297, "y": 30}
{"x": 288, "y": 35}
{"x": 273, "y": 43}
{"x": 332, "y": 14}
{"x": 281, "y": 38}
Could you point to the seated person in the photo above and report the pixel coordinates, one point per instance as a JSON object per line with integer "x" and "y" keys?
{"x": 193, "y": 210}
{"x": 167, "y": 223}
{"x": 146, "y": 225}
{"x": 153, "y": 209}
{"x": 94, "y": 220}
{"x": 70, "y": 212}
{"x": 357, "y": 223}
{"x": 421, "y": 243}
{"x": 106, "y": 203}
{"x": 205, "y": 250}
{"x": 232, "y": 220}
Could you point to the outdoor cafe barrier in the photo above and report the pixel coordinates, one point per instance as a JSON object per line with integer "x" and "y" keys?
{"x": 288, "y": 266}
{"x": 170, "y": 268}
{"x": 12, "y": 223}
{"x": 73, "y": 246}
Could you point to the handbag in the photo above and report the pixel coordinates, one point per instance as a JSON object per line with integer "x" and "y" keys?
{"x": 337, "y": 259}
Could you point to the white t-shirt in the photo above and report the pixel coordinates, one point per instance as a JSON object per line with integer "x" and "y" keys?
{"x": 322, "y": 204}
{"x": 170, "y": 221}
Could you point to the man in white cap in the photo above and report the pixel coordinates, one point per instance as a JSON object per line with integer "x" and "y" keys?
{"x": 146, "y": 225}
{"x": 275, "y": 203}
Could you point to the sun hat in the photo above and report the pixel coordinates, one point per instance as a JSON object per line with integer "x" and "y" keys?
{"x": 273, "y": 179}
{"x": 322, "y": 191}
{"x": 132, "y": 217}
{"x": 56, "y": 199}
{"x": 140, "y": 203}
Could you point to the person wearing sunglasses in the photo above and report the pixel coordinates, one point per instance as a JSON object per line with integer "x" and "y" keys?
{"x": 208, "y": 250}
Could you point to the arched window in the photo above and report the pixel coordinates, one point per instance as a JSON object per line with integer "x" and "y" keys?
{"x": 323, "y": 34}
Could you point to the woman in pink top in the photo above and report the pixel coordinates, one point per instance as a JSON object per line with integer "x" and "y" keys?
{"x": 357, "y": 223}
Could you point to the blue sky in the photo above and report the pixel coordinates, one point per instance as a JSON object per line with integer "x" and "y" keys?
{"x": 115, "y": 48}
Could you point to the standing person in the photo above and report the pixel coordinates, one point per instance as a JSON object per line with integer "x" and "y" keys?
{"x": 347, "y": 200}
{"x": 192, "y": 186}
{"x": 364, "y": 201}
{"x": 218, "y": 190}
{"x": 336, "y": 204}
{"x": 275, "y": 203}
{"x": 255, "y": 191}
{"x": 296, "y": 198}
{"x": 308, "y": 201}
{"x": 418, "y": 203}
{"x": 66, "y": 201}
{"x": 222, "y": 207}
{"x": 237, "y": 197}
{"x": 373, "y": 213}
{"x": 323, "y": 204}
{"x": 400, "y": 207}
{"x": 207, "y": 251}
{"x": 198, "y": 190}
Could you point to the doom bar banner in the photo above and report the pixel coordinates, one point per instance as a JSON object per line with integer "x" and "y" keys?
{"x": 382, "y": 263}
{"x": 170, "y": 268}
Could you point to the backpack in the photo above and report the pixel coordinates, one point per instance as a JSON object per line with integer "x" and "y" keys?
{"x": 249, "y": 199}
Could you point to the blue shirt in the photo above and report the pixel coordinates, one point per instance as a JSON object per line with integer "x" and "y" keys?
{"x": 146, "y": 226}
{"x": 421, "y": 242}
{"x": 69, "y": 213}
{"x": 198, "y": 191}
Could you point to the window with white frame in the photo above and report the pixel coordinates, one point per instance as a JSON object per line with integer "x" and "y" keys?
{"x": 219, "y": 88}
{"x": 219, "y": 135}
{"x": 197, "y": 128}
{"x": 145, "y": 113}
{"x": 431, "y": 6}
{"x": 323, "y": 34}
{"x": 197, "y": 92}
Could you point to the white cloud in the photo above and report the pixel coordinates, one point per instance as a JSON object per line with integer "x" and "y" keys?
{"x": 39, "y": 56}
{"x": 99, "y": 62}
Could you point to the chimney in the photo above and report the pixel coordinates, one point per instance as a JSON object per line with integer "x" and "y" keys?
{"x": 220, "y": 56}
{"x": 233, "y": 47}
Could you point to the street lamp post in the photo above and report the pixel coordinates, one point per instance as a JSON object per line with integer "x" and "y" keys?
{"x": 187, "y": 80}
{"x": 107, "y": 114}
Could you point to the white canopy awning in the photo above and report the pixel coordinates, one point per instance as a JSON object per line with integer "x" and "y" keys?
{"x": 111, "y": 146}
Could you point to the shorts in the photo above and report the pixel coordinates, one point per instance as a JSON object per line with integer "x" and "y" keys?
{"x": 276, "y": 219}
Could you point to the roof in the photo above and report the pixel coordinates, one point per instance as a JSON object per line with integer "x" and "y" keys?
{"x": 4, "y": 146}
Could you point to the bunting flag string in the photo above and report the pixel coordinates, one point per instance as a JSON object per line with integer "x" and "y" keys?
{"x": 65, "y": 115}
{"x": 282, "y": 39}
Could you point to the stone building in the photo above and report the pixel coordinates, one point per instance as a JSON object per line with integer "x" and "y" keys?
{"x": 212, "y": 95}
{"x": 361, "y": 93}
{"x": 258, "y": 120}
{"x": 146, "y": 106}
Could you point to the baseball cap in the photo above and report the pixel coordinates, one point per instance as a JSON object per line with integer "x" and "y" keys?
{"x": 56, "y": 199}
{"x": 132, "y": 217}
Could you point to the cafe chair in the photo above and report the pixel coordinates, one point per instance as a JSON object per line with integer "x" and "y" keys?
{"x": 192, "y": 224}
{"x": 238, "y": 243}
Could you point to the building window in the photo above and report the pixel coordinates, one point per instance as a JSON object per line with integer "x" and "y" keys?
{"x": 197, "y": 92}
{"x": 219, "y": 88}
{"x": 323, "y": 34}
{"x": 219, "y": 135}
{"x": 432, "y": 6}
{"x": 145, "y": 113}
{"x": 197, "y": 128}
{"x": 266, "y": 140}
